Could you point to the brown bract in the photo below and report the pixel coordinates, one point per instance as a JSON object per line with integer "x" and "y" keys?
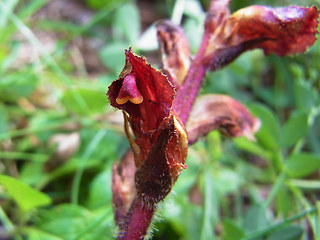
{"x": 174, "y": 46}
{"x": 215, "y": 111}
{"x": 158, "y": 172}
{"x": 159, "y": 141}
{"x": 216, "y": 15}
{"x": 123, "y": 187}
{"x": 283, "y": 31}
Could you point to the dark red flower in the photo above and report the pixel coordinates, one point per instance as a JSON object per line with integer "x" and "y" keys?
{"x": 159, "y": 140}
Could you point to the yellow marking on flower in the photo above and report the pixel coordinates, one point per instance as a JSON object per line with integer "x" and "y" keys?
{"x": 129, "y": 91}
{"x": 135, "y": 100}
{"x": 183, "y": 134}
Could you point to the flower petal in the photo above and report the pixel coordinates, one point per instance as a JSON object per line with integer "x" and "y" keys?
{"x": 287, "y": 30}
{"x": 221, "y": 112}
{"x": 174, "y": 45}
{"x": 129, "y": 91}
{"x": 283, "y": 31}
{"x": 216, "y": 15}
{"x": 142, "y": 91}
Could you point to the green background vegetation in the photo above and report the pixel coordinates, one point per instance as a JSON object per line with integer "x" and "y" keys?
{"x": 55, "y": 68}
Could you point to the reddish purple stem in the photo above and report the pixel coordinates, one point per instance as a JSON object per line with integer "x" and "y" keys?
{"x": 138, "y": 222}
{"x": 188, "y": 91}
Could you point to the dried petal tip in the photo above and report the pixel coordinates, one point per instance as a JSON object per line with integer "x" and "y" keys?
{"x": 176, "y": 56}
{"x": 282, "y": 31}
{"x": 216, "y": 111}
{"x": 129, "y": 91}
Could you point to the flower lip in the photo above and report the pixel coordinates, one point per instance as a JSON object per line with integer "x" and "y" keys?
{"x": 142, "y": 91}
{"x": 129, "y": 91}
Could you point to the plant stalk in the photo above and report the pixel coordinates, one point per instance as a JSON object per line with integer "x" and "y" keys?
{"x": 141, "y": 215}
{"x": 139, "y": 221}
{"x": 188, "y": 91}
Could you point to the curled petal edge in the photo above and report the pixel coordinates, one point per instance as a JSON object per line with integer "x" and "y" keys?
{"x": 215, "y": 111}
{"x": 283, "y": 31}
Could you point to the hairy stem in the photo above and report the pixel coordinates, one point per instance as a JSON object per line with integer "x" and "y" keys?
{"x": 189, "y": 90}
{"x": 138, "y": 222}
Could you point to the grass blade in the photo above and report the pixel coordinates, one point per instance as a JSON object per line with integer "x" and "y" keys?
{"x": 78, "y": 175}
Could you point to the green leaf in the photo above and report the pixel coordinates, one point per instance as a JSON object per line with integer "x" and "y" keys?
{"x": 99, "y": 195}
{"x": 269, "y": 133}
{"x": 44, "y": 124}
{"x": 32, "y": 172}
{"x": 232, "y": 231}
{"x": 67, "y": 221}
{"x": 26, "y": 197}
{"x": 294, "y": 129}
{"x": 4, "y": 119}
{"x": 117, "y": 145}
{"x": 97, "y": 4}
{"x": 255, "y": 219}
{"x": 35, "y": 234}
{"x": 304, "y": 96}
{"x": 95, "y": 100}
{"x": 64, "y": 221}
{"x": 286, "y": 233}
{"x": 112, "y": 56}
{"x": 17, "y": 85}
{"x": 227, "y": 181}
{"x": 252, "y": 147}
{"x": 127, "y": 22}
{"x": 284, "y": 202}
{"x": 8, "y": 57}
{"x": 302, "y": 164}
{"x": 210, "y": 207}
{"x": 187, "y": 223}
{"x": 65, "y": 169}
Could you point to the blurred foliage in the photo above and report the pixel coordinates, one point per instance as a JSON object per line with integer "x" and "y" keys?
{"x": 55, "y": 68}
